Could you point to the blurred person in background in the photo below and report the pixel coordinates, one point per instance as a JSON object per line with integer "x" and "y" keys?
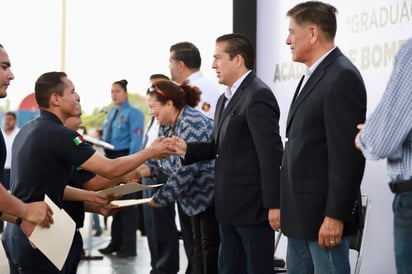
{"x": 184, "y": 65}
{"x": 123, "y": 128}
{"x": 9, "y": 130}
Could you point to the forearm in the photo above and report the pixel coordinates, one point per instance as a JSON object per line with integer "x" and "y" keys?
{"x": 99, "y": 182}
{"x": 91, "y": 207}
{"x": 114, "y": 168}
{"x": 77, "y": 194}
{"x": 9, "y": 218}
{"x": 144, "y": 170}
{"x": 10, "y": 204}
{"x": 123, "y": 165}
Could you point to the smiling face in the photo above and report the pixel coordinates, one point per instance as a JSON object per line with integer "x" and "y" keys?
{"x": 5, "y": 72}
{"x": 162, "y": 112}
{"x": 70, "y": 101}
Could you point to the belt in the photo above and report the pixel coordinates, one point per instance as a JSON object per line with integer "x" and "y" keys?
{"x": 401, "y": 186}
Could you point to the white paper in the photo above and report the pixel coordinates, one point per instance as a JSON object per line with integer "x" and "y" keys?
{"x": 130, "y": 202}
{"x": 55, "y": 242}
{"x": 98, "y": 142}
{"x": 125, "y": 189}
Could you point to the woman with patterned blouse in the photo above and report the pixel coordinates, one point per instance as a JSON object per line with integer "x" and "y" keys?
{"x": 192, "y": 186}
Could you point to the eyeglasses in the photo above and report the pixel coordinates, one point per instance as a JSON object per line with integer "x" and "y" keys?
{"x": 154, "y": 88}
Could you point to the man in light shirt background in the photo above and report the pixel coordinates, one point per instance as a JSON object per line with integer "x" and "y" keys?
{"x": 9, "y": 130}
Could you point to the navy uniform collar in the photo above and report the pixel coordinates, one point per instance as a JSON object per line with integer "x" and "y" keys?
{"x": 50, "y": 116}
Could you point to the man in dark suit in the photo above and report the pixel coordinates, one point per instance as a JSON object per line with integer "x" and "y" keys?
{"x": 247, "y": 149}
{"x": 321, "y": 169}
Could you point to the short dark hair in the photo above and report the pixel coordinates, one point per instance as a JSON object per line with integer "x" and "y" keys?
{"x": 187, "y": 53}
{"x": 159, "y": 76}
{"x": 239, "y": 43}
{"x": 47, "y": 84}
{"x": 11, "y": 113}
{"x": 321, "y": 14}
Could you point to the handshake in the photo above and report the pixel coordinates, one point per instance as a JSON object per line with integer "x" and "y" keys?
{"x": 163, "y": 147}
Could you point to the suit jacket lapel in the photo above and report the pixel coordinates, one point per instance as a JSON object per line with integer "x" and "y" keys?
{"x": 311, "y": 83}
{"x": 220, "y": 126}
{"x": 218, "y": 115}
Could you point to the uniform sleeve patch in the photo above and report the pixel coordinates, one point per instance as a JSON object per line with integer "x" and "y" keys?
{"x": 139, "y": 132}
{"x": 78, "y": 140}
{"x": 205, "y": 106}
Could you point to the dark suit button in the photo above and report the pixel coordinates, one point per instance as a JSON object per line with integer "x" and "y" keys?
{"x": 217, "y": 156}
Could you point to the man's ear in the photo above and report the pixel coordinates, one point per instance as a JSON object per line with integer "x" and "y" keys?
{"x": 181, "y": 65}
{"x": 54, "y": 99}
{"x": 239, "y": 60}
{"x": 314, "y": 33}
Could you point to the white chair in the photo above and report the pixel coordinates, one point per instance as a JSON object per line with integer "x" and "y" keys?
{"x": 279, "y": 263}
{"x": 357, "y": 242}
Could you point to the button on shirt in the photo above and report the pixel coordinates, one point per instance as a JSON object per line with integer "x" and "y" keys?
{"x": 127, "y": 128}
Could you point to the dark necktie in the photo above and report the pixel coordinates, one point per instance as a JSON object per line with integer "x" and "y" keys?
{"x": 110, "y": 127}
{"x": 298, "y": 89}
{"x": 146, "y": 137}
{"x": 222, "y": 107}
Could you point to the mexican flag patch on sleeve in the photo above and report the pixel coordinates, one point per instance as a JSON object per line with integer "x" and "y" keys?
{"x": 78, "y": 140}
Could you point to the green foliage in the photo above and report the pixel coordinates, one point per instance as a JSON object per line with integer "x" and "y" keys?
{"x": 96, "y": 119}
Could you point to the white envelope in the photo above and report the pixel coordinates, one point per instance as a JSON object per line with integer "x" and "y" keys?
{"x": 130, "y": 202}
{"x": 125, "y": 189}
{"x": 55, "y": 242}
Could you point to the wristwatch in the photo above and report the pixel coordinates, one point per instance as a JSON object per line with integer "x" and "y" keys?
{"x": 19, "y": 221}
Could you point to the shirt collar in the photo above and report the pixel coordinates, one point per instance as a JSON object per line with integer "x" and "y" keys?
{"x": 230, "y": 91}
{"x": 311, "y": 69}
{"x": 194, "y": 76}
{"x": 122, "y": 106}
{"x": 50, "y": 116}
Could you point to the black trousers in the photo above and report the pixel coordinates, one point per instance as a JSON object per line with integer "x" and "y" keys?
{"x": 24, "y": 259}
{"x": 125, "y": 222}
{"x": 206, "y": 241}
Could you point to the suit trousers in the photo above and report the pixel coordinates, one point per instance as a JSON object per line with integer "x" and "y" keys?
{"x": 246, "y": 249}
